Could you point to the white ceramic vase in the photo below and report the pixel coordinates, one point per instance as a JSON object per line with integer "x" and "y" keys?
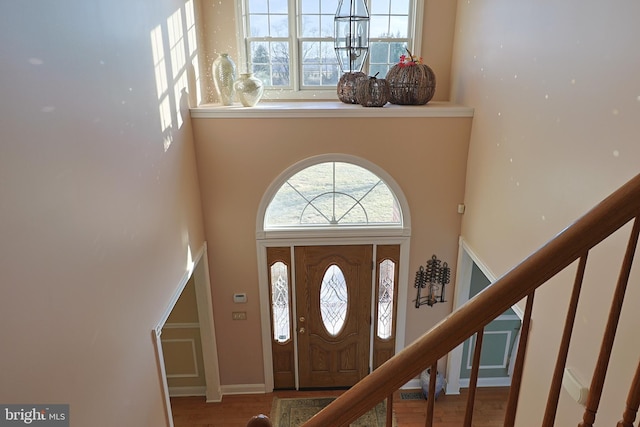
{"x": 224, "y": 75}
{"x": 249, "y": 89}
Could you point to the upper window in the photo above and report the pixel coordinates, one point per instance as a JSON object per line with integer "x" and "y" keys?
{"x": 289, "y": 44}
{"x": 333, "y": 194}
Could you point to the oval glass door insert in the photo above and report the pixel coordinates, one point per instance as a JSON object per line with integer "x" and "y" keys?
{"x": 333, "y": 300}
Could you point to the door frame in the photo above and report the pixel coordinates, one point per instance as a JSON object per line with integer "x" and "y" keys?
{"x": 466, "y": 258}
{"x": 327, "y": 239}
{"x": 198, "y": 268}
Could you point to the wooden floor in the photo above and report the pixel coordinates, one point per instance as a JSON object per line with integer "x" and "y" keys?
{"x": 235, "y": 411}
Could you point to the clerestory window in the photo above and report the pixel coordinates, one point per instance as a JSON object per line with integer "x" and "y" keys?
{"x": 333, "y": 194}
{"x": 289, "y": 44}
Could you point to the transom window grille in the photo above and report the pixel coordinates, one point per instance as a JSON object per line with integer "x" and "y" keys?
{"x": 280, "y": 302}
{"x": 333, "y": 300}
{"x": 289, "y": 45}
{"x": 385, "y": 299}
{"x": 333, "y": 194}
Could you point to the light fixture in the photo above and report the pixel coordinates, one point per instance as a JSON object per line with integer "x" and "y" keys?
{"x": 351, "y": 32}
{"x": 433, "y": 277}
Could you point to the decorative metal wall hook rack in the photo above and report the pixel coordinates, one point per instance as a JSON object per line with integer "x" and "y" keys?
{"x": 433, "y": 277}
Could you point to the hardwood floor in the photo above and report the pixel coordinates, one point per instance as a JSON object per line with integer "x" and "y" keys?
{"x": 235, "y": 411}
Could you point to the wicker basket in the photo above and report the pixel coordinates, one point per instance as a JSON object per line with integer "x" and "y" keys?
{"x": 347, "y": 87}
{"x": 372, "y": 92}
{"x": 411, "y": 84}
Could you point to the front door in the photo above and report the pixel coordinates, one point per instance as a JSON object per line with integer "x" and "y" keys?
{"x": 333, "y": 306}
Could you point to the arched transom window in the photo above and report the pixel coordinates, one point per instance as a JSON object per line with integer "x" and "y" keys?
{"x": 333, "y": 194}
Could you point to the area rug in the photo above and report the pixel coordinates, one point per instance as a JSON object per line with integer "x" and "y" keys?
{"x": 411, "y": 395}
{"x": 295, "y": 412}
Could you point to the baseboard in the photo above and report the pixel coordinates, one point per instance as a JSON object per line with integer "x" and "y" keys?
{"x": 187, "y": 391}
{"x": 412, "y": 385}
{"x": 487, "y": 382}
{"x": 214, "y": 396}
{"x": 261, "y": 388}
{"x": 243, "y": 389}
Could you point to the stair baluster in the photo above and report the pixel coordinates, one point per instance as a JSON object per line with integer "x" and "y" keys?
{"x": 633, "y": 402}
{"x": 390, "y": 411}
{"x": 600, "y": 372}
{"x": 516, "y": 378}
{"x": 556, "y": 382}
{"x": 473, "y": 380}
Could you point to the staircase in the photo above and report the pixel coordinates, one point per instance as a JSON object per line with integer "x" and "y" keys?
{"x": 572, "y": 244}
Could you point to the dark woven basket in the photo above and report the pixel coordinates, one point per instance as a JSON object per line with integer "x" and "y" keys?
{"x": 372, "y": 92}
{"x": 411, "y": 84}
{"x": 347, "y": 87}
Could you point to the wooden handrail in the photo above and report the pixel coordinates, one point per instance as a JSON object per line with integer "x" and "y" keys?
{"x": 600, "y": 222}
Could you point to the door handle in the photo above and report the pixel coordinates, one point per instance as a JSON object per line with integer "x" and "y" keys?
{"x": 301, "y": 330}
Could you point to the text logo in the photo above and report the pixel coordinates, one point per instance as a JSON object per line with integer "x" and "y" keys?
{"x": 34, "y": 415}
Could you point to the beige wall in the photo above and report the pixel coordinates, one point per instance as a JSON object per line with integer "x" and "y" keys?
{"x": 99, "y": 205}
{"x": 220, "y": 29}
{"x": 182, "y": 346}
{"x": 239, "y": 158}
{"x": 556, "y": 92}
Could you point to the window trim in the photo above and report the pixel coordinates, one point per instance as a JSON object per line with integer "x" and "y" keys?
{"x": 357, "y": 202}
{"x": 344, "y": 231}
{"x": 415, "y": 34}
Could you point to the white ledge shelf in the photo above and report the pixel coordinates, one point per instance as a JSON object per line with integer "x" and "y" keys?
{"x": 337, "y": 109}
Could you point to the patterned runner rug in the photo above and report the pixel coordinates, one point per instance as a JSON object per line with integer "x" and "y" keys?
{"x": 294, "y": 412}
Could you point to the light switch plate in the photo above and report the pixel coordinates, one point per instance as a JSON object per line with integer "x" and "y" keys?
{"x": 240, "y": 298}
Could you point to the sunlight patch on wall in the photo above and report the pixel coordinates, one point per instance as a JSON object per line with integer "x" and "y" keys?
{"x": 160, "y": 68}
{"x": 175, "y": 59}
{"x": 178, "y": 59}
{"x": 192, "y": 44}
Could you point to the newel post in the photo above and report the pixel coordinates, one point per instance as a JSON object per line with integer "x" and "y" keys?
{"x": 259, "y": 421}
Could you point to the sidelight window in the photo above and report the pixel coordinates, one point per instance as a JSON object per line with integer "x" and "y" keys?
{"x": 280, "y": 302}
{"x": 385, "y": 299}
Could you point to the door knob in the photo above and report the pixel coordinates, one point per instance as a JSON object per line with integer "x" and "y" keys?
{"x": 301, "y": 330}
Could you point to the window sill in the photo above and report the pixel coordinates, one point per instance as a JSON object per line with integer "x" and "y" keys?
{"x": 330, "y": 109}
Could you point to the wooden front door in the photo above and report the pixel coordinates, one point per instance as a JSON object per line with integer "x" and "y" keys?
{"x": 333, "y": 305}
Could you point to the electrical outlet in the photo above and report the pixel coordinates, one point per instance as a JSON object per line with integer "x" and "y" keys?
{"x": 239, "y": 315}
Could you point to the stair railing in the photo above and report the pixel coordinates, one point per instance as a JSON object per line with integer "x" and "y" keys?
{"x": 573, "y": 243}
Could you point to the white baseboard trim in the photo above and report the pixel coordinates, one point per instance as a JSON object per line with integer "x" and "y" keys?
{"x": 487, "y": 382}
{"x": 187, "y": 391}
{"x": 412, "y": 385}
{"x": 261, "y": 388}
{"x": 243, "y": 389}
{"x": 214, "y": 396}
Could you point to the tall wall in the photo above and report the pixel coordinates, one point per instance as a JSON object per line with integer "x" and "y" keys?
{"x": 99, "y": 201}
{"x": 238, "y": 159}
{"x": 556, "y": 92}
{"x": 228, "y": 149}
